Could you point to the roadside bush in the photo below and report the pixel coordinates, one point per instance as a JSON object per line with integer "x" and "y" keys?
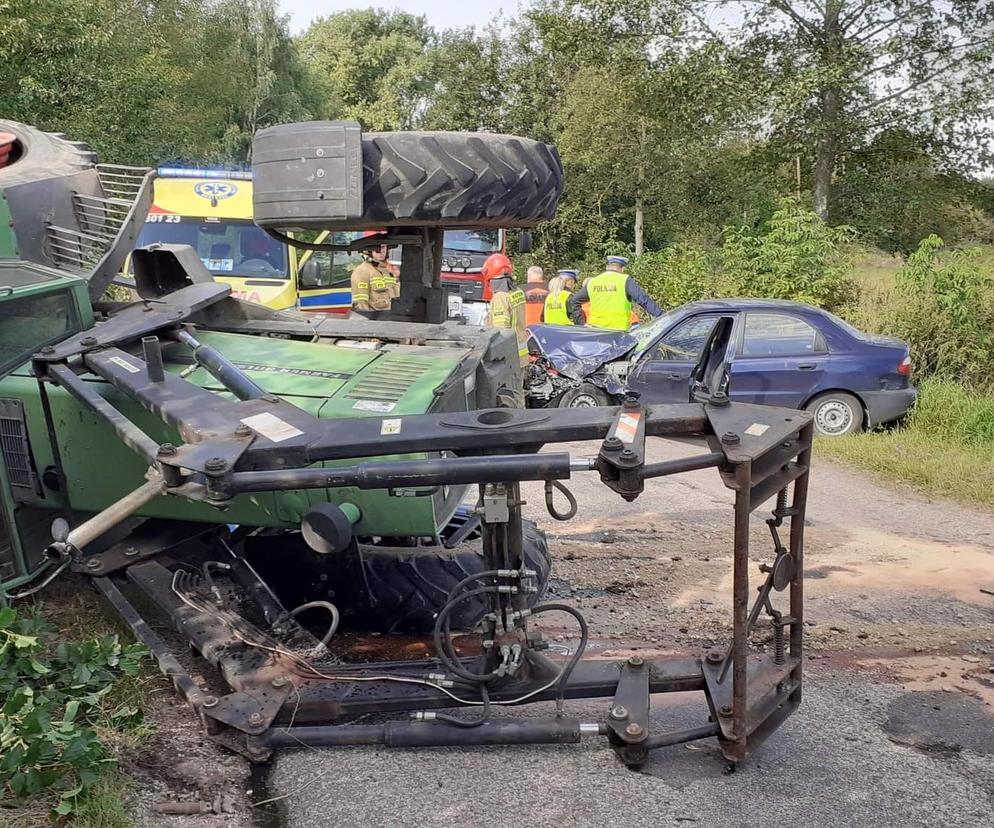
{"x": 797, "y": 256}
{"x": 55, "y": 702}
{"x": 794, "y": 256}
{"x": 943, "y": 305}
{"x": 676, "y": 275}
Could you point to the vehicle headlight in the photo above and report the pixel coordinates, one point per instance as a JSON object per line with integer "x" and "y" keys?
{"x": 465, "y": 261}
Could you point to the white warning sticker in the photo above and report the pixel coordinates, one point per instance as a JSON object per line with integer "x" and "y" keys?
{"x": 390, "y": 427}
{"x": 628, "y": 426}
{"x": 757, "y": 429}
{"x": 127, "y": 366}
{"x": 375, "y": 405}
{"x": 272, "y": 427}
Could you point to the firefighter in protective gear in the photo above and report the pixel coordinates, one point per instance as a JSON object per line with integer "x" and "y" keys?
{"x": 373, "y": 285}
{"x": 507, "y": 311}
{"x": 507, "y": 307}
{"x": 535, "y": 294}
{"x": 560, "y": 289}
{"x": 611, "y": 296}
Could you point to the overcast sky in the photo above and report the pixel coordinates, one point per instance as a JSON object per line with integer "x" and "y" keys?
{"x": 442, "y": 14}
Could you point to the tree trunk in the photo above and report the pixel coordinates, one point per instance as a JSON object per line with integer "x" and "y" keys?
{"x": 639, "y": 202}
{"x": 830, "y": 114}
{"x": 825, "y": 154}
{"x": 639, "y": 226}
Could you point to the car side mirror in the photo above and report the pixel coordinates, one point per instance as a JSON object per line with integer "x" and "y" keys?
{"x": 525, "y": 241}
{"x": 711, "y": 375}
{"x": 310, "y": 273}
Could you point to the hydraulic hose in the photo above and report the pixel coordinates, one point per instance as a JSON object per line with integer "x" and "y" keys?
{"x": 584, "y": 636}
{"x": 550, "y": 503}
{"x": 325, "y": 605}
{"x": 484, "y": 713}
{"x": 441, "y": 624}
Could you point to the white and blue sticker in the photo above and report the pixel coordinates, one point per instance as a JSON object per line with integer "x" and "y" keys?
{"x": 215, "y": 190}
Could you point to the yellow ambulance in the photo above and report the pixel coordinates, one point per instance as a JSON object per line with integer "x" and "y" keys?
{"x": 211, "y": 210}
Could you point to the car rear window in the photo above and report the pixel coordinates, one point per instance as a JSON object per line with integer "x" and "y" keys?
{"x": 779, "y": 334}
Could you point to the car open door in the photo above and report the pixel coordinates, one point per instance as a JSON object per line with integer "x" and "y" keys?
{"x": 663, "y": 375}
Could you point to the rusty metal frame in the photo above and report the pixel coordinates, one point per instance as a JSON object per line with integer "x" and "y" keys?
{"x": 273, "y": 703}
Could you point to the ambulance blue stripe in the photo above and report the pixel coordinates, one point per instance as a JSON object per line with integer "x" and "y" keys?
{"x": 342, "y": 299}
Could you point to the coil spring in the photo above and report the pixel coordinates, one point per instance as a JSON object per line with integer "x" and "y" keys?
{"x": 779, "y": 645}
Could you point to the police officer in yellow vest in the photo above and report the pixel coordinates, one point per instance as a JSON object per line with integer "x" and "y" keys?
{"x": 560, "y": 289}
{"x": 373, "y": 285}
{"x": 611, "y": 296}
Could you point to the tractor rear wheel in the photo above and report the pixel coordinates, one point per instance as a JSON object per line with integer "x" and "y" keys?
{"x": 406, "y": 587}
{"x": 390, "y": 584}
{"x": 36, "y": 155}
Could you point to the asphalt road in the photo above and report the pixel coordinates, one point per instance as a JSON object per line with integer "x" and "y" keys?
{"x": 896, "y": 726}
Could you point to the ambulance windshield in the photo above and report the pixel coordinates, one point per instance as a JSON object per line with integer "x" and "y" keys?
{"x": 227, "y": 247}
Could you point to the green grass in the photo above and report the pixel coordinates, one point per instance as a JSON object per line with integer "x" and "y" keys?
{"x": 945, "y": 449}
{"x": 875, "y": 271}
{"x": 104, "y": 805}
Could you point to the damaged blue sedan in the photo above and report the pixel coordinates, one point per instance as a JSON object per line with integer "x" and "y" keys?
{"x": 782, "y": 353}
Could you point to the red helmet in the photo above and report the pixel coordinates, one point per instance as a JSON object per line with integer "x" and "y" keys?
{"x": 497, "y": 265}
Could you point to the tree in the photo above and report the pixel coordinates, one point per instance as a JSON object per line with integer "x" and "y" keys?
{"x": 839, "y": 71}
{"x": 371, "y": 66}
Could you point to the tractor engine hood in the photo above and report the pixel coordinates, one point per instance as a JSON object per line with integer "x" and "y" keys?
{"x": 578, "y": 352}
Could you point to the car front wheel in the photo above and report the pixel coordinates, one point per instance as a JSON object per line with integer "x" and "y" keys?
{"x": 585, "y": 395}
{"x": 836, "y": 413}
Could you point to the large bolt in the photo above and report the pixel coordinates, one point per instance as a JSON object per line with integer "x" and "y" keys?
{"x": 279, "y": 681}
{"x": 719, "y": 399}
{"x": 255, "y": 719}
{"x": 243, "y": 431}
{"x": 167, "y": 450}
{"x": 88, "y": 341}
{"x": 619, "y": 712}
{"x": 714, "y": 657}
{"x": 94, "y": 563}
{"x": 730, "y": 438}
{"x": 48, "y": 349}
{"x": 628, "y": 453}
{"x": 215, "y": 464}
{"x": 635, "y": 661}
{"x": 612, "y": 444}
{"x": 131, "y": 551}
{"x": 725, "y": 711}
{"x": 634, "y": 729}
{"x": 210, "y": 701}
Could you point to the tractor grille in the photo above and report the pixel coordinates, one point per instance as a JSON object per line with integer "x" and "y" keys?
{"x": 16, "y": 450}
{"x": 388, "y": 380}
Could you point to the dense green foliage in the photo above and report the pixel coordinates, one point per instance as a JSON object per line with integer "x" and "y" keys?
{"x": 795, "y": 255}
{"x": 672, "y": 124}
{"x": 54, "y": 696}
{"x": 943, "y": 304}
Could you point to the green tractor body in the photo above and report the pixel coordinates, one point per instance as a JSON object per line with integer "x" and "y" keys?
{"x": 65, "y": 228}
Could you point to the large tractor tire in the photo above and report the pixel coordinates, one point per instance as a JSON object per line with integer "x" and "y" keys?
{"x": 383, "y": 586}
{"x": 37, "y": 155}
{"x": 409, "y": 179}
{"x": 405, "y": 588}
{"x": 452, "y": 178}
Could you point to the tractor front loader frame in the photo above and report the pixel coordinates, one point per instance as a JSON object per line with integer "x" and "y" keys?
{"x": 286, "y": 687}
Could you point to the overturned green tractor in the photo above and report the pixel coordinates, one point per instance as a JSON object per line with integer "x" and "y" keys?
{"x": 266, "y": 479}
